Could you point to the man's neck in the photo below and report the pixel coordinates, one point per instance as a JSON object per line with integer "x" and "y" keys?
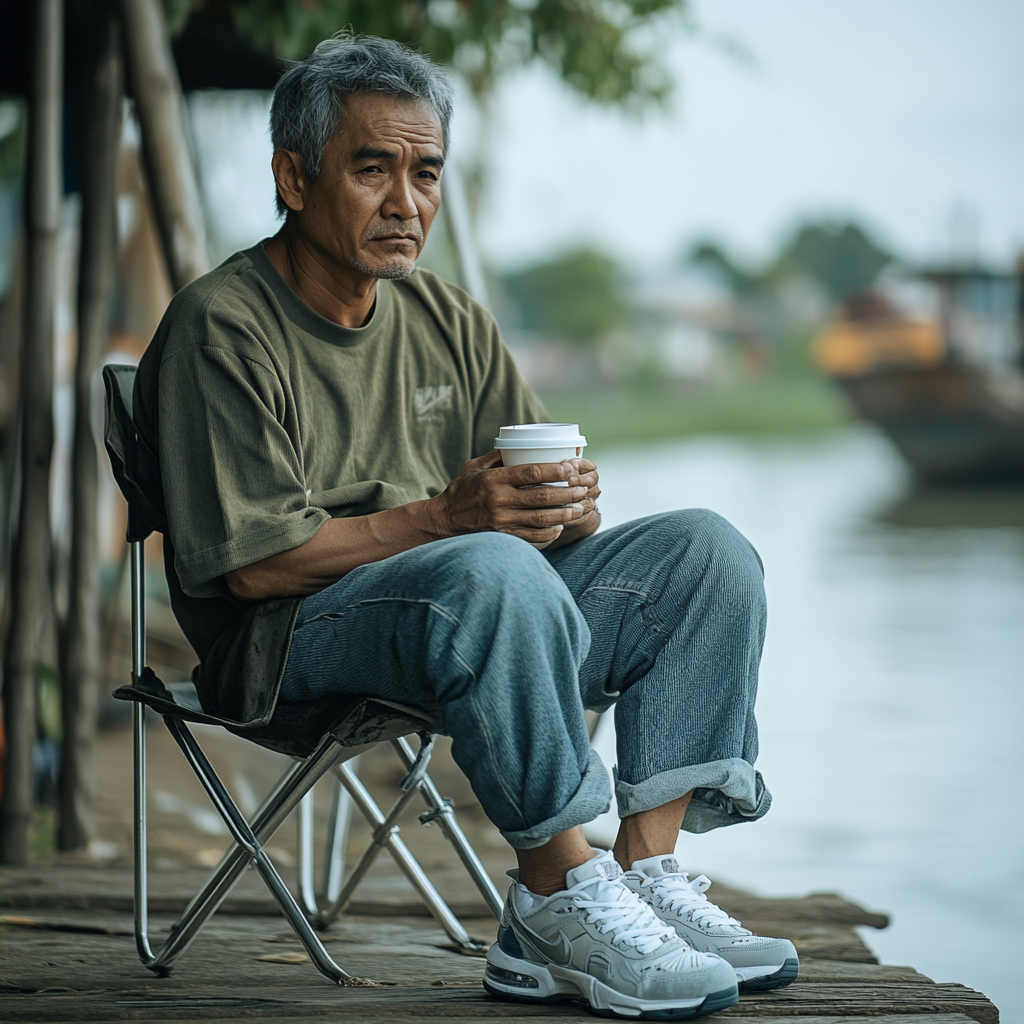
{"x": 340, "y": 294}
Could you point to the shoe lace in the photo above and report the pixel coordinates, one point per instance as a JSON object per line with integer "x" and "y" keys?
{"x": 630, "y": 920}
{"x": 679, "y": 892}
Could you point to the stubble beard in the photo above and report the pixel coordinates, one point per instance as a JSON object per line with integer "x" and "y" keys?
{"x": 392, "y": 267}
{"x": 387, "y": 270}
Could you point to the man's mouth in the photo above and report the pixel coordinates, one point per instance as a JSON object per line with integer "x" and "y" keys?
{"x": 395, "y": 235}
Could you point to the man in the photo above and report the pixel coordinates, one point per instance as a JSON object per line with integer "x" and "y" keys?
{"x": 322, "y": 416}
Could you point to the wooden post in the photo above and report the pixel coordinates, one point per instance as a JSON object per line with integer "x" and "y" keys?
{"x": 167, "y": 155}
{"x": 99, "y": 135}
{"x": 30, "y": 569}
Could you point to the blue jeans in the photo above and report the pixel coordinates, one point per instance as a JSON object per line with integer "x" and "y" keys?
{"x": 505, "y": 646}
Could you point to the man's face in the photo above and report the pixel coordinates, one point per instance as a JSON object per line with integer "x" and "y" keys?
{"x": 379, "y": 186}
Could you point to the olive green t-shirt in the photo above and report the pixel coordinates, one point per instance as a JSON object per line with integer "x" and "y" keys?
{"x": 266, "y": 420}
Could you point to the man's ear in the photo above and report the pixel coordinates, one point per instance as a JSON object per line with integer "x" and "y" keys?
{"x": 290, "y": 175}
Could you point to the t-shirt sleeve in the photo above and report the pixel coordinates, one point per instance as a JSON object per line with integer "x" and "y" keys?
{"x": 503, "y": 397}
{"x": 234, "y": 485}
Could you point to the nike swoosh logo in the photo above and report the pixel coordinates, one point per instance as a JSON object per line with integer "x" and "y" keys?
{"x": 557, "y": 952}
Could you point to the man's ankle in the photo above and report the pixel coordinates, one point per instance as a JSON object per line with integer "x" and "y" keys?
{"x": 543, "y": 885}
{"x": 652, "y": 833}
{"x": 542, "y": 870}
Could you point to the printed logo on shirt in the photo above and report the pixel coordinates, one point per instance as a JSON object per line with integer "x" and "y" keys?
{"x": 429, "y": 402}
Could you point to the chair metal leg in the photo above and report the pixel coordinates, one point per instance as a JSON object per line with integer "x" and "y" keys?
{"x": 385, "y": 837}
{"x": 304, "y": 821}
{"x": 279, "y": 803}
{"x": 385, "y": 829}
{"x": 248, "y": 841}
{"x": 293, "y": 789}
{"x": 140, "y": 861}
{"x": 441, "y": 812}
{"x": 140, "y": 865}
{"x": 337, "y": 833}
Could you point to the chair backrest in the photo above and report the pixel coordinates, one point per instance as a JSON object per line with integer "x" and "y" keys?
{"x": 296, "y": 729}
{"x": 138, "y": 482}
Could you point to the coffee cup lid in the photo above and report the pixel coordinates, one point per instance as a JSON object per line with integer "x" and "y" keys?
{"x": 540, "y": 435}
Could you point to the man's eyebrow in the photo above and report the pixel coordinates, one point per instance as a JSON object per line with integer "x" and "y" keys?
{"x": 376, "y": 153}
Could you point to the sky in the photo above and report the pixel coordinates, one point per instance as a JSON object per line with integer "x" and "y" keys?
{"x": 907, "y": 115}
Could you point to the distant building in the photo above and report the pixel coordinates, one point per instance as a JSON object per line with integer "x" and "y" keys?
{"x": 683, "y": 321}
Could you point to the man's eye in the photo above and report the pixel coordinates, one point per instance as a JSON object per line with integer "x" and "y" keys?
{"x": 372, "y": 169}
{"x": 427, "y": 174}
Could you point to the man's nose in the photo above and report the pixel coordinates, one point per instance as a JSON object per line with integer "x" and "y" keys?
{"x": 400, "y": 202}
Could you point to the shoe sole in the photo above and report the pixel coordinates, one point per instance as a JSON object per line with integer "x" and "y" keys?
{"x": 524, "y": 982}
{"x": 785, "y": 975}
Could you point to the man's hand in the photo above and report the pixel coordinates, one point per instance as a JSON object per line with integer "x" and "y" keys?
{"x": 586, "y": 524}
{"x": 487, "y": 496}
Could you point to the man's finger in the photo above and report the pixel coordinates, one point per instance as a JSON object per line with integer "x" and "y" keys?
{"x": 541, "y": 518}
{"x": 533, "y": 474}
{"x": 588, "y": 480}
{"x": 583, "y": 472}
{"x": 536, "y": 497}
{"x": 535, "y": 536}
{"x": 487, "y": 461}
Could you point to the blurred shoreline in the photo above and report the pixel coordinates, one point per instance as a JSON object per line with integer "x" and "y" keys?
{"x": 654, "y": 411}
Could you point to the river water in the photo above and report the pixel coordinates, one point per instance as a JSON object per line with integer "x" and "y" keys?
{"x": 891, "y": 705}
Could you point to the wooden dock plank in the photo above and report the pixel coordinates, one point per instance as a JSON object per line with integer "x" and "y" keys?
{"x": 803, "y": 1001}
{"x": 912, "y": 1018}
{"x": 79, "y": 965}
{"x": 942, "y": 1018}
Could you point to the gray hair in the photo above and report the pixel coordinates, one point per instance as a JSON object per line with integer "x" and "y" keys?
{"x": 307, "y": 109}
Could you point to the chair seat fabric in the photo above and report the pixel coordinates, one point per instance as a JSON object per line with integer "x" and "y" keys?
{"x": 295, "y": 729}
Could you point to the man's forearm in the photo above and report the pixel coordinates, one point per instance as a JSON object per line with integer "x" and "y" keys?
{"x": 484, "y": 497}
{"x": 338, "y": 547}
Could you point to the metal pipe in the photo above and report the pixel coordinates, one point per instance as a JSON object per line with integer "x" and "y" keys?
{"x": 337, "y": 833}
{"x": 247, "y": 839}
{"x": 138, "y": 571}
{"x": 385, "y": 830}
{"x": 277, "y": 805}
{"x": 442, "y": 813}
{"x": 314, "y": 947}
{"x": 386, "y": 837}
{"x": 215, "y": 790}
{"x": 304, "y": 821}
{"x": 140, "y": 860}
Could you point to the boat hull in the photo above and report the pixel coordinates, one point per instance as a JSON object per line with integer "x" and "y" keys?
{"x": 950, "y": 422}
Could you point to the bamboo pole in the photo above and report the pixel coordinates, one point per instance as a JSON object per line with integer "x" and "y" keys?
{"x": 99, "y": 135}
{"x": 167, "y": 155}
{"x": 30, "y": 569}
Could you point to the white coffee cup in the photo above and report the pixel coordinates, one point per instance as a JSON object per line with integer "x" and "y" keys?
{"x": 525, "y": 444}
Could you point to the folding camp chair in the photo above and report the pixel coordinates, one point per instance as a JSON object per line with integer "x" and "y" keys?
{"x": 352, "y": 725}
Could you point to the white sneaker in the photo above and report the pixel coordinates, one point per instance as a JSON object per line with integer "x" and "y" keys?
{"x": 760, "y": 963}
{"x": 596, "y": 941}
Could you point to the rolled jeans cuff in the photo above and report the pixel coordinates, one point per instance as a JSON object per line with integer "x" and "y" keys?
{"x": 591, "y": 799}
{"x": 725, "y": 793}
